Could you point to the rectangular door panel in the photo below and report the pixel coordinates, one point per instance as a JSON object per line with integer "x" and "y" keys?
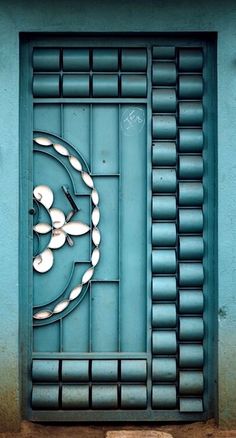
{"x": 121, "y": 232}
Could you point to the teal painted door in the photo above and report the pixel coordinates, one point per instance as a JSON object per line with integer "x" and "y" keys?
{"x": 120, "y": 266}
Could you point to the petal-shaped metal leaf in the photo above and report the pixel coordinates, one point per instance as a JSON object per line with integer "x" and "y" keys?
{"x": 87, "y": 275}
{"x": 95, "y": 216}
{"x": 42, "y": 228}
{"x": 44, "y": 195}
{"x": 58, "y": 217}
{"x": 87, "y": 179}
{"x": 61, "y": 149}
{"x": 44, "y": 261}
{"x": 95, "y": 257}
{"x": 75, "y": 292}
{"x": 43, "y": 141}
{"x": 57, "y": 240}
{"x": 42, "y": 314}
{"x": 95, "y": 197}
{"x": 76, "y": 228}
{"x": 96, "y": 236}
{"x": 61, "y": 306}
{"x": 75, "y": 163}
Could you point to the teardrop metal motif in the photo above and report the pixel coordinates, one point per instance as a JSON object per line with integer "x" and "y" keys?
{"x": 42, "y": 314}
{"x": 61, "y": 306}
{"x": 95, "y": 216}
{"x": 75, "y": 163}
{"x": 42, "y": 228}
{"x": 87, "y": 179}
{"x": 43, "y": 141}
{"x": 57, "y": 240}
{"x": 44, "y": 261}
{"x": 95, "y": 197}
{"x": 44, "y": 195}
{"x": 75, "y": 292}
{"x": 96, "y": 236}
{"x": 95, "y": 257}
{"x": 61, "y": 149}
{"x": 76, "y": 228}
{"x": 62, "y": 229}
{"x": 87, "y": 275}
{"x": 58, "y": 217}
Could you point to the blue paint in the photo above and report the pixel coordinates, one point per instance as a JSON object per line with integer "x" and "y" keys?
{"x": 82, "y": 16}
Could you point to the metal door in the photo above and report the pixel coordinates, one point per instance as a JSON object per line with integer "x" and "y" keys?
{"x": 120, "y": 269}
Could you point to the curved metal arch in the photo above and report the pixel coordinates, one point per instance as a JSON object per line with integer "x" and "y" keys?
{"x": 64, "y": 289}
{"x": 54, "y": 316}
{"x": 67, "y": 143}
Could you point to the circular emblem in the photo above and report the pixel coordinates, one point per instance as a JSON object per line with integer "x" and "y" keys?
{"x": 132, "y": 121}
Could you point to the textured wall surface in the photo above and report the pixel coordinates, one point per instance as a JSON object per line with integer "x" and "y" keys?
{"x": 113, "y": 16}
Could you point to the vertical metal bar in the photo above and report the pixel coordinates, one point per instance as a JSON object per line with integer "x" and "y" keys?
{"x": 119, "y": 225}
{"x": 90, "y": 160}
{"x": 61, "y": 335}
{"x": 90, "y": 318}
{"x": 62, "y": 120}
{"x": 210, "y": 230}
{"x": 91, "y": 137}
{"x": 148, "y": 231}
{"x": 90, "y": 211}
{"x": 177, "y": 235}
{"x": 61, "y": 135}
{"x": 26, "y": 222}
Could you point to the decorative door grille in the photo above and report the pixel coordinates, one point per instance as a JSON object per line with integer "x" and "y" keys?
{"x": 121, "y": 220}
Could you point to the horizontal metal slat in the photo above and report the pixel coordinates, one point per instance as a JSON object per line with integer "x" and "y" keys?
{"x": 164, "y": 397}
{"x": 164, "y": 342}
{"x": 164, "y": 369}
{"x": 164, "y": 153}
{"x": 163, "y": 234}
{"x": 164, "y": 288}
{"x": 190, "y": 60}
{"x": 76, "y": 59}
{"x": 164, "y": 73}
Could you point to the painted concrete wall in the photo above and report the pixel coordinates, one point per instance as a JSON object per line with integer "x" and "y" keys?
{"x": 121, "y": 16}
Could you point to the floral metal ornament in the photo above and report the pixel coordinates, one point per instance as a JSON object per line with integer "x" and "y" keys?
{"x": 63, "y": 227}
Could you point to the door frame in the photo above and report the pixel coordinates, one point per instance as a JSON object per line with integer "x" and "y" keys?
{"x": 26, "y": 140}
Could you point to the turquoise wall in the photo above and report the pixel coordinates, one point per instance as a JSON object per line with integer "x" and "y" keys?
{"x": 109, "y": 16}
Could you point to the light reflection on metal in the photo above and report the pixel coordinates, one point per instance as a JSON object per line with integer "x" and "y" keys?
{"x": 43, "y": 262}
{"x": 44, "y": 195}
{"x": 95, "y": 197}
{"x": 59, "y": 228}
{"x": 96, "y": 236}
{"x": 95, "y": 216}
{"x": 75, "y": 163}
{"x": 42, "y": 228}
{"x": 43, "y": 141}
{"x": 57, "y": 240}
{"x": 95, "y": 257}
{"x": 62, "y": 228}
{"x": 58, "y": 217}
{"x": 61, "y": 150}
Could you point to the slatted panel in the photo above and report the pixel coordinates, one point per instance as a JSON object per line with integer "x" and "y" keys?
{"x": 191, "y": 224}
{"x": 177, "y": 229}
{"x": 85, "y": 72}
{"x": 164, "y": 232}
{"x": 89, "y": 384}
